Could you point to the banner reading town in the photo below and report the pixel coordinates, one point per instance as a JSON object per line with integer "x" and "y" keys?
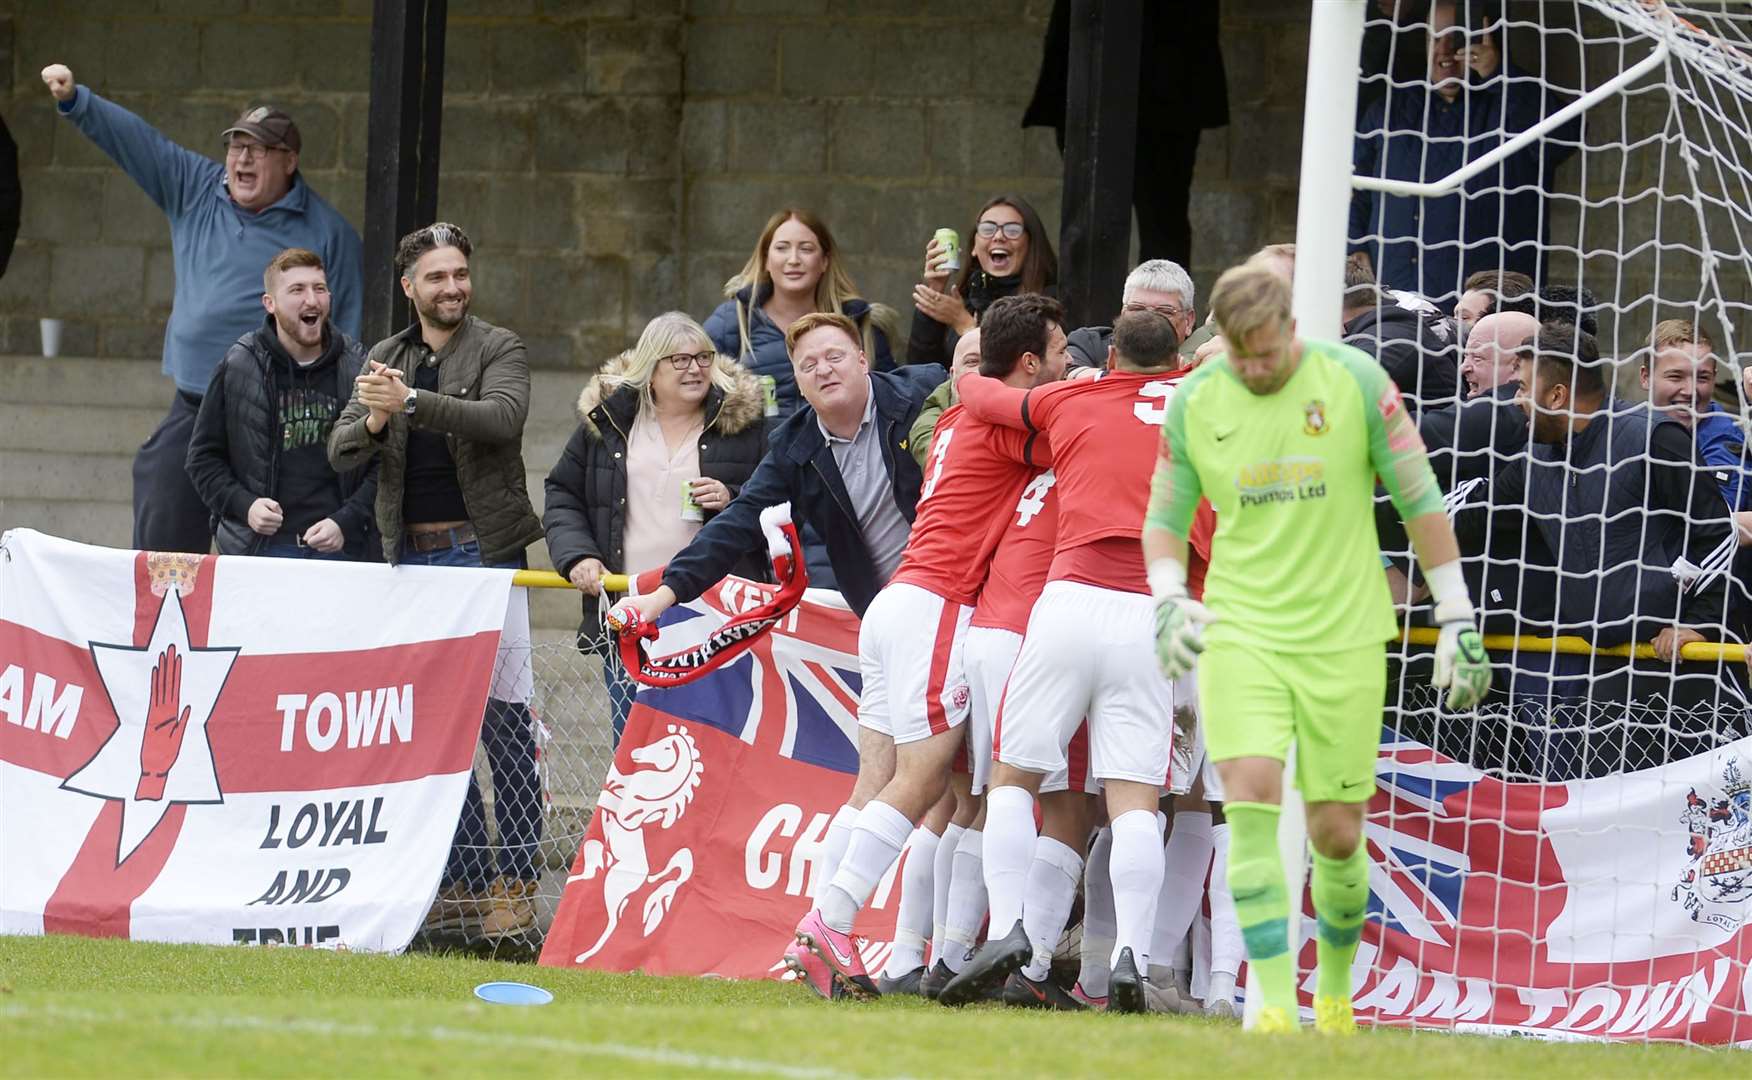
{"x": 1615, "y": 908}
{"x": 218, "y": 749}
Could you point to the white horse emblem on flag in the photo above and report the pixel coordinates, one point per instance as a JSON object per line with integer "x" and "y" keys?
{"x": 631, "y": 802}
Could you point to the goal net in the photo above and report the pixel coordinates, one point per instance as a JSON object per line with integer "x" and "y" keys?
{"x": 1574, "y": 858}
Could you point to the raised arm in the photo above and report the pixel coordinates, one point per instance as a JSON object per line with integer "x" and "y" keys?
{"x": 171, "y": 175}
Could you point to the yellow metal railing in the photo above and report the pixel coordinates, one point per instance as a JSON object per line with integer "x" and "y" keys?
{"x": 1416, "y": 635}
{"x": 1575, "y": 646}
{"x": 547, "y": 579}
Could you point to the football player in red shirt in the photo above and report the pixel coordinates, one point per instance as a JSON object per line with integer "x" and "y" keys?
{"x": 1088, "y": 650}
{"x": 910, "y": 641}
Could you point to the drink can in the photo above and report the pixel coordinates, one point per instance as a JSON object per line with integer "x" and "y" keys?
{"x": 770, "y": 389}
{"x": 690, "y": 510}
{"x": 949, "y": 244}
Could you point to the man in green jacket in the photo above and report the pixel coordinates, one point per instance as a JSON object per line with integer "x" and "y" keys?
{"x": 444, "y": 403}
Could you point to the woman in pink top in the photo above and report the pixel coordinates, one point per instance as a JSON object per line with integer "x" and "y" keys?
{"x": 668, "y": 416}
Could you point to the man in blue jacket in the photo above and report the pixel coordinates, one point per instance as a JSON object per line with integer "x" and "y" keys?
{"x": 226, "y": 223}
{"x": 842, "y": 462}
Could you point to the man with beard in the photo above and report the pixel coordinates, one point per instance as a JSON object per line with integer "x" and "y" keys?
{"x": 257, "y": 456}
{"x": 443, "y": 403}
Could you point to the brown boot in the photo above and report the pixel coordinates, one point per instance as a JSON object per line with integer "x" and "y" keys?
{"x": 457, "y": 910}
{"x": 513, "y": 909}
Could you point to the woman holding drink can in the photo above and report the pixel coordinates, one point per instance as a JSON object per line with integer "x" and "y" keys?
{"x": 795, "y": 269}
{"x": 1011, "y": 254}
{"x": 668, "y": 433}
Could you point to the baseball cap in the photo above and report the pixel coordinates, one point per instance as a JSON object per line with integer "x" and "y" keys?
{"x": 268, "y": 124}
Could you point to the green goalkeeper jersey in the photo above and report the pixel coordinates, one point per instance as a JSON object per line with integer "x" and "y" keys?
{"x": 1295, "y": 565}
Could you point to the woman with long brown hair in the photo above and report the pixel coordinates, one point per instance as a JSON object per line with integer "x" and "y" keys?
{"x": 1011, "y": 253}
{"x": 795, "y": 269}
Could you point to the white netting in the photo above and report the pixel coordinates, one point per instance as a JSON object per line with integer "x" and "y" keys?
{"x": 1613, "y": 862}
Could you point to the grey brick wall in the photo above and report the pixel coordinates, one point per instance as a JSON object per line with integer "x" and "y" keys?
{"x": 612, "y": 158}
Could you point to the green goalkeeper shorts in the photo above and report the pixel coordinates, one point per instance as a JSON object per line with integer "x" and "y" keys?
{"x": 1252, "y": 701}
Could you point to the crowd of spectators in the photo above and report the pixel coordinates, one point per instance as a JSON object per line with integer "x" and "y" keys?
{"x": 1581, "y": 511}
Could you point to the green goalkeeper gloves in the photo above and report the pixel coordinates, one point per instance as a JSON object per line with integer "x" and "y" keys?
{"x": 1180, "y": 620}
{"x": 1462, "y": 666}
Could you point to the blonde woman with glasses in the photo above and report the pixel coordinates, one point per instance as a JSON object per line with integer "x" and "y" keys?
{"x": 668, "y": 432}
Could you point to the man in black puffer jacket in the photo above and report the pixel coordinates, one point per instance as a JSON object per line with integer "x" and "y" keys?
{"x": 258, "y": 455}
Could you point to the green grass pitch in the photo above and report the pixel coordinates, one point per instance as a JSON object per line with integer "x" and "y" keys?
{"x": 78, "y": 1007}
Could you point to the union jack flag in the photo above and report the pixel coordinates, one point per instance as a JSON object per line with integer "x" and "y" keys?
{"x": 1417, "y": 847}
{"x": 792, "y": 693}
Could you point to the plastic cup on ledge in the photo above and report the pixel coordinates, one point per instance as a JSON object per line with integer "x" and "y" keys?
{"x": 51, "y": 337}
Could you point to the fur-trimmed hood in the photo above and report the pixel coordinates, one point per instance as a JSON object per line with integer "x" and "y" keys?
{"x": 726, "y": 412}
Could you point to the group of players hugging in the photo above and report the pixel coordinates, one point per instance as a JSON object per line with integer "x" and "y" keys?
{"x": 1101, "y": 568}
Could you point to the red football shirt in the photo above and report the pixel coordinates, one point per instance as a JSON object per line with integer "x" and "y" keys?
{"x": 1023, "y": 557}
{"x": 973, "y": 465}
{"x": 1104, "y": 435}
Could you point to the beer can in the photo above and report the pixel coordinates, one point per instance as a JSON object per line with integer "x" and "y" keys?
{"x": 949, "y": 245}
{"x": 770, "y": 389}
{"x": 690, "y": 510}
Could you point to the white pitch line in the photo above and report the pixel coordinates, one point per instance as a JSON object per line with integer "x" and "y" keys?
{"x": 439, "y": 1033}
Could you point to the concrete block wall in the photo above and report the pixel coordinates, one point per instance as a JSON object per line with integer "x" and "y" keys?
{"x": 612, "y": 158}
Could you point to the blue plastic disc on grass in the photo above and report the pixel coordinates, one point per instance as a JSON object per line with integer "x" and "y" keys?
{"x": 512, "y": 993}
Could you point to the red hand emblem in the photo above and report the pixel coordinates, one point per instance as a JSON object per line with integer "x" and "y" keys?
{"x": 165, "y": 726}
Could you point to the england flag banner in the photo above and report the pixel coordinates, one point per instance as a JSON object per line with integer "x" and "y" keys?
{"x": 218, "y": 749}
{"x": 706, "y": 841}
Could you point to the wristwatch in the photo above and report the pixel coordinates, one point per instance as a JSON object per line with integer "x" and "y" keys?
{"x": 408, "y": 402}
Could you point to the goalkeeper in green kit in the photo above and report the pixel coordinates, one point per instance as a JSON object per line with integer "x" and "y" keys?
{"x": 1286, "y": 438}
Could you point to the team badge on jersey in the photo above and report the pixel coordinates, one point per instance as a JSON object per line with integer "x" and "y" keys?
{"x": 1314, "y": 418}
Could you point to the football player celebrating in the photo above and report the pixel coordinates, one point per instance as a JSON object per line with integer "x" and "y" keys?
{"x": 909, "y": 642}
{"x": 1086, "y": 652}
{"x": 1287, "y": 436}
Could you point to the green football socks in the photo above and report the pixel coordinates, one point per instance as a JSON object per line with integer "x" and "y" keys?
{"x": 1256, "y": 881}
{"x": 1341, "y": 900}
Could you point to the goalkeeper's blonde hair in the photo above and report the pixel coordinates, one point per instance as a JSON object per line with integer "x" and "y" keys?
{"x": 1247, "y": 298}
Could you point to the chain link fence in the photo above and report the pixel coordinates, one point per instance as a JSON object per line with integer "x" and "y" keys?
{"x": 1553, "y": 718}
{"x": 567, "y": 728}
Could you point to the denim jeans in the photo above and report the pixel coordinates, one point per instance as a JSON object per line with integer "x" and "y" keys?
{"x": 508, "y": 731}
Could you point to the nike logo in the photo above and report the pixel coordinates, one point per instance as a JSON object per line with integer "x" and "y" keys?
{"x": 844, "y": 958}
{"x": 1246, "y": 895}
{"x": 1348, "y": 784}
{"x": 1221, "y": 435}
{"x": 1039, "y": 994}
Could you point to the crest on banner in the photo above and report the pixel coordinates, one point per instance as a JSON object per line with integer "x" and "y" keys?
{"x": 1716, "y": 885}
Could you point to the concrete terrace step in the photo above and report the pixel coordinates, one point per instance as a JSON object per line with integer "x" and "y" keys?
{"x": 110, "y": 524}
{"x": 77, "y": 429}
{"x": 67, "y": 380}
{"x": 43, "y": 474}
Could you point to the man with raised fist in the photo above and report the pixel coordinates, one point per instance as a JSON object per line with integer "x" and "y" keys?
{"x": 226, "y": 222}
